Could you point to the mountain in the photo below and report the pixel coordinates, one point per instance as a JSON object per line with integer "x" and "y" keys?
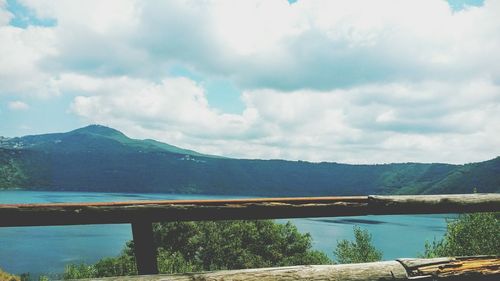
{"x": 98, "y": 158}
{"x": 95, "y": 138}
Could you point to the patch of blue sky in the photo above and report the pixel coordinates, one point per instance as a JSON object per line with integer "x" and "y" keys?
{"x": 222, "y": 94}
{"x": 24, "y": 17}
{"x": 178, "y": 70}
{"x": 42, "y": 116}
{"x": 458, "y": 5}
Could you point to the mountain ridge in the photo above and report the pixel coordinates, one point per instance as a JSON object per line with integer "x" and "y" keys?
{"x": 88, "y": 134}
{"x": 98, "y": 158}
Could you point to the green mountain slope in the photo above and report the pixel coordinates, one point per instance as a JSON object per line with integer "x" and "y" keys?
{"x": 97, "y": 158}
{"x": 93, "y": 138}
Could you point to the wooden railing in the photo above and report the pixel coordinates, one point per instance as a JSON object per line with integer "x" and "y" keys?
{"x": 141, "y": 214}
{"x": 451, "y": 269}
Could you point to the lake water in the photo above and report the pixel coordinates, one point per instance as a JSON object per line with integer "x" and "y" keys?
{"x": 47, "y": 249}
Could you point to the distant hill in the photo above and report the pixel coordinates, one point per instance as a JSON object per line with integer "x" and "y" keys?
{"x": 93, "y": 138}
{"x": 98, "y": 158}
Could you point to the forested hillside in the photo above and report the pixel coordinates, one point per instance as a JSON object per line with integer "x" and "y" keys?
{"x": 97, "y": 158}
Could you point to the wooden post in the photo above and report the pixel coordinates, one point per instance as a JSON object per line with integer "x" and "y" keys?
{"x": 145, "y": 251}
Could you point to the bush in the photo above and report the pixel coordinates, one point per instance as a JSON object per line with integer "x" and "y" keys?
{"x": 470, "y": 234}
{"x": 361, "y": 250}
{"x": 237, "y": 244}
{"x": 199, "y": 246}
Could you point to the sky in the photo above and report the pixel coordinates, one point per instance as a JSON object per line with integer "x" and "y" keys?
{"x": 317, "y": 80}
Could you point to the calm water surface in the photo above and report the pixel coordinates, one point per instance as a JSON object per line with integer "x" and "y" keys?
{"x": 47, "y": 249}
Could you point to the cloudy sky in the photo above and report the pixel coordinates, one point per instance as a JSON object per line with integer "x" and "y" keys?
{"x": 345, "y": 81}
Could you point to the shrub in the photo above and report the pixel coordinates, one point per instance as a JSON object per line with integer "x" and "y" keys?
{"x": 361, "y": 250}
{"x": 196, "y": 246}
{"x": 469, "y": 234}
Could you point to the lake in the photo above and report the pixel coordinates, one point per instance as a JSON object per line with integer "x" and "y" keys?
{"x": 47, "y": 249}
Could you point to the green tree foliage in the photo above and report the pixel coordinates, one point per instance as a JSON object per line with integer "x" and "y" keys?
{"x": 196, "y": 246}
{"x": 361, "y": 250}
{"x": 11, "y": 172}
{"x": 470, "y": 234}
{"x": 241, "y": 244}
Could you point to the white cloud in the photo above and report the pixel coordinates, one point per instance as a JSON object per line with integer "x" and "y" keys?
{"x": 175, "y": 105}
{"x": 349, "y": 81}
{"x": 20, "y": 52}
{"x": 366, "y": 124}
{"x": 105, "y": 17}
{"x": 271, "y": 44}
{"x": 18, "y": 105}
{"x": 5, "y": 16}
{"x": 428, "y": 121}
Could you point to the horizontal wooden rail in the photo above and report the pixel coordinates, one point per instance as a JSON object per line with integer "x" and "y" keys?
{"x": 451, "y": 269}
{"x": 261, "y": 208}
{"x": 141, "y": 214}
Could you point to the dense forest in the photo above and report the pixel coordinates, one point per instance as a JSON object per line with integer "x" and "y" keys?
{"x": 97, "y": 158}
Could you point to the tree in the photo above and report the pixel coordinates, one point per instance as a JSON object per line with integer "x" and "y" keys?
{"x": 196, "y": 246}
{"x": 237, "y": 244}
{"x": 469, "y": 234}
{"x": 361, "y": 250}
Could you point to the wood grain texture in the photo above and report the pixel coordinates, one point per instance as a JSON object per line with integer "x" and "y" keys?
{"x": 390, "y": 270}
{"x": 461, "y": 268}
{"x": 452, "y": 269}
{"x": 260, "y": 208}
{"x": 461, "y": 203}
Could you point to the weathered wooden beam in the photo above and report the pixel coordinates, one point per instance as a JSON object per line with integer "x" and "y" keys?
{"x": 434, "y": 204}
{"x": 144, "y": 248}
{"x": 451, "y": 269}
{"x": 388, "y": 270}
{"x": 260, "y": 208}
{"x": 459, "y": 268}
